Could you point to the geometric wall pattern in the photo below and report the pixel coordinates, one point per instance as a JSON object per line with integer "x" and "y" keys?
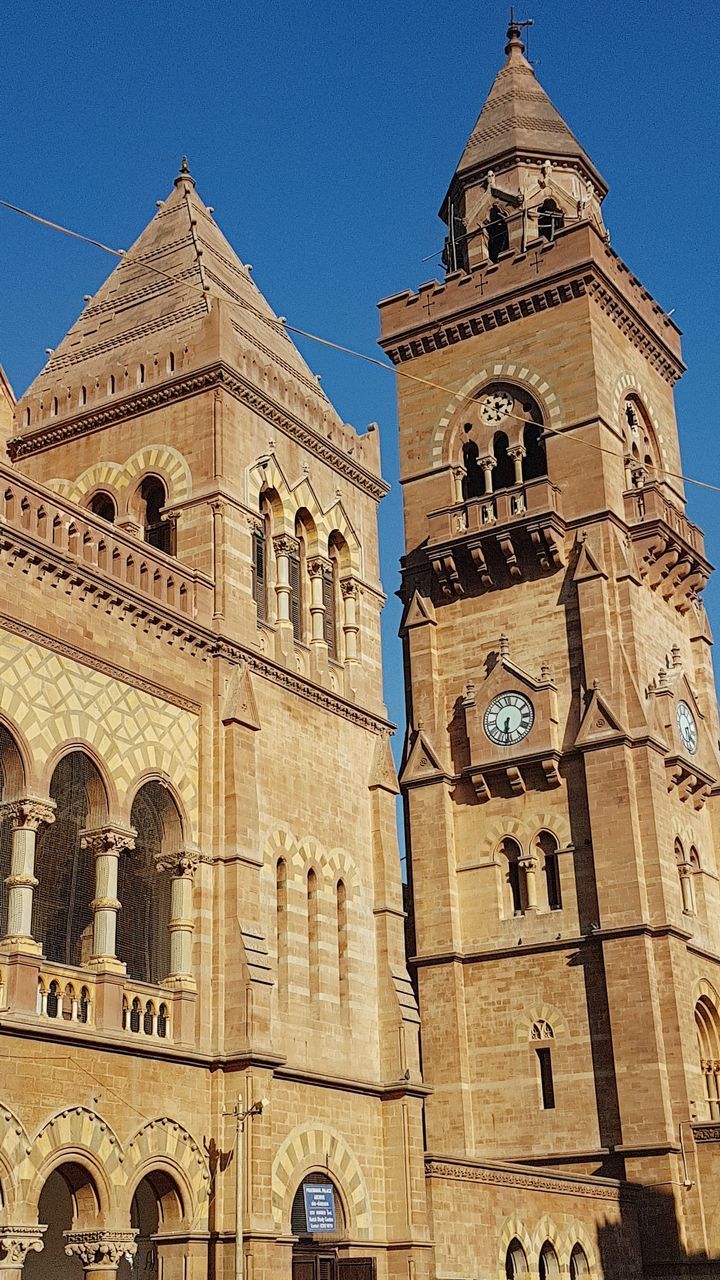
{"x": 54, "y": 700}
{"x": 317, "y": 1148}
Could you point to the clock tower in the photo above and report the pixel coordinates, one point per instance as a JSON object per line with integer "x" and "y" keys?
{"x": 561, "y": 768}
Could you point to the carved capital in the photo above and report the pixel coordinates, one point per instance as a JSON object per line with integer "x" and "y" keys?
{"x": 182, "y": 863}
{"x": 28, "y": 814}
{"x": 16, "y": 1243}
{"x": 105, "y": 904}
{"x": 348, "y": 588}
{"x": 516, "y": 451}
{"x": 285, "y": 545}
{"x": 22, "y": 881}
{"x": 318, "y": 566}
{"x": 108, "y": 839}
{"x": 100, "y": 1248}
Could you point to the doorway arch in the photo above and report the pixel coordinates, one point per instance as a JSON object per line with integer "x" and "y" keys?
{"x": 157, "y": 1214}
{"x": 69, "y": 1201}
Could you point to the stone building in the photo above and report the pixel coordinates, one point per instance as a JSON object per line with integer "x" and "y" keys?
{"x": 206, "y": 1016}
{"x": 561, "y": 771}
{"x": 197, "y": 914}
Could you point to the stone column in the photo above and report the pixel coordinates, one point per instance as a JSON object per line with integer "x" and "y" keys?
{"x": 459, "y": 474}
{"x": 100, "y": 1252}
{"x": 529, "y": 866}
{"x": 25, "y": 818}
{"x": 488, "y": 464}
{"x": 15, "y": 1244}
{"x": 182, "y": 867}
{"x": 106, "y": 844}
{"x": 349, "y": 593}
{"x": 685, "y": 871}
{"x": 517, "y": 453}
{"x": 317, "y": 568}
{"x": 284, "y": 547}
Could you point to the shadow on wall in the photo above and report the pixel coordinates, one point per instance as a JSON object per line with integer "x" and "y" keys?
{"x": 664, "y": 1255}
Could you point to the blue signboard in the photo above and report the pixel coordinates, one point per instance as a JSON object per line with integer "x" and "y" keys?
{"x": 319, "y": 1206}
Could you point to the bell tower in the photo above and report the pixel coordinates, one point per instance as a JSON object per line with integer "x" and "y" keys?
{"x": 561, "y": 767}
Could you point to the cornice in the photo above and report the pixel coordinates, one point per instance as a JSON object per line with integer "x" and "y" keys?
{"x": 586, "y": 279}
{"x": 541, "y": 945}
{"x": 217, "y": 375}
{"x": 499, "y": 1175}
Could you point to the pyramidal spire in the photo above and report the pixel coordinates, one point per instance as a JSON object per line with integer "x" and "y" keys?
{"x": 519, "y": 125}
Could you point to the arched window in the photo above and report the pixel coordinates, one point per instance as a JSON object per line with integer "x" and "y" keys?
{"x": 685, "y": 876}
{"x": 516, "y": 1263}
{"x": 535, "y": 461}
{"x": 63, "y": 916}
{"x": 339, "y": 554}
{"x": 550, "y": 219}
{"x": 304, "y": 1223}
{"x": 143, "y": 934}
{"x": 300, "y": 591}
{"x": 101, "y": 504}
{"x": 313, "y": 934}
{"x": 83, "y": 396}
{"x": 498, "y": 237}
{"x": 696, "y": 882}
{"x": 548, "y": 848}
{"x": 541, "y": 1038}
{"x": 111, "y": 385}
{"x": 642, "y": 449}
{"x": 503, "y": 476}
{"x": 548, "y": 1265}
{"x": 281, "y": 923}
{"x": 707, "y": 1025}
{"x": 579, "y": 1265}
{"x": 474, "y": 481}
{"x": 153, "y": 498}
{"x": 11, "y": 788}
{"x": 261, "y": 543}
{"x": 342, "y": 940}
{"x": 516, "y": 898}
{"x": 141, "y": 375}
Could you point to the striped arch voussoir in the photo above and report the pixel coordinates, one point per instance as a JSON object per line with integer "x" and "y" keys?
{"x": 513, "y": 1229}
{"x": 513, "y": 372}
{"x": 577, "y": 1233}
{"x": 79, "y": 1132}
{"x": 308, "y": 1148}
{"x": 540, "y": 1013}
{"x": 14, "y": 1148}
{"x": 705, "y": 988}
{"x": 547, "y": 1230}
{"x": 626, "y": 385}
{"x": 102, "y": 475}
{"x": 281, "y": 844}
{"x": 166, "y": 1144}
{"x": 557, "y": 824}
{"x": 340, "y": 866}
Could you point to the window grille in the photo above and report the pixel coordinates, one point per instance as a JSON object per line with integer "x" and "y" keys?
{"x": 295, "y": 601}
{"x": 330, "y": 618}
{"x": 259, "y": 584}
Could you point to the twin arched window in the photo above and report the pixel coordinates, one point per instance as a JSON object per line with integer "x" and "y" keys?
{"x": 707, "y": 1026}
{"x": 516, "y": 1262}
{"x": 504, "y": 445}
{"x": 550, "y": 219}
{"x": 314, "y": 931}
{"x": 149, "y": 503}
{"x": 520, "y": 874}
{"x": 642, "y": 454}
{"x": 688, "y": 867}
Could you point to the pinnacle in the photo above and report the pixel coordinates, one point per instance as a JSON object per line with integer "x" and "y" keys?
{"x": 184, "y": 176}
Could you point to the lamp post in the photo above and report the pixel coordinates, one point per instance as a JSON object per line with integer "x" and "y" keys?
{"x": 241, "y": 1116}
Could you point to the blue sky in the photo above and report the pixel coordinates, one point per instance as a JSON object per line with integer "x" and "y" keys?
{"x": 325, "y": 136}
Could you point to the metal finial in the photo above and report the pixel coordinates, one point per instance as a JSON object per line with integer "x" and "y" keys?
{"x": 185, "y": 174}
{"x": 514, "y": 33}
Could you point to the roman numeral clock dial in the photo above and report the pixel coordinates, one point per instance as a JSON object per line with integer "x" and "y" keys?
{"x": 508, "y": 719}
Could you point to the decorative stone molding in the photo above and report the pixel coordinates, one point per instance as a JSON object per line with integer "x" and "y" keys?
{"x": 524, "y": 1181}
{"x": 100, "y": 1248}
{"x": 28, "y": 814}
{"x": 16, "y": 1243}
{"x": 184, "y": 863}
{"x": 285, "y": 545}
{"x": 108, "y": 840}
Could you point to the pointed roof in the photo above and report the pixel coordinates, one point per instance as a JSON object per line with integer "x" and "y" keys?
{"x": 518, "y": 116}
{"x": 160, "y": 295}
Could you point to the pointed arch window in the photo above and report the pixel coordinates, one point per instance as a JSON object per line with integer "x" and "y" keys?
{"x": 313, "y": 934}
{"x": 143, "y": 930}
{"x": 579, "y": 1265}
{"x": 550, "y": 219}
{"x": 516, "y": 1263}
{"x": 707, "y": 1026}
{"x": 498, "y": 236}
{"x": 342, "y": 940}
{"x": 686, "y": 875}
{"x": 339, "y": 554}
{"x": 473, "y": 480}
{"x": 548, "y": 1265}
{"x": 516, "y": 893}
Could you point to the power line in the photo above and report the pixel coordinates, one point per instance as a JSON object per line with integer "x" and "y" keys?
{"x": 327, "y": 342}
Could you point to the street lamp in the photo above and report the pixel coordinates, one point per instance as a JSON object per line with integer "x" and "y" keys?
{"x": 241, "y": 1116}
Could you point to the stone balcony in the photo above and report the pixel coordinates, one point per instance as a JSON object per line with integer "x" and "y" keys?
{"x": 49, "y": 537}
{"x": 669, "y": 547}
{"x": 506, "y": 534}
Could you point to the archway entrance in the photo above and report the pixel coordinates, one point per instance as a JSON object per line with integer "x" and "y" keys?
{"x": 318, "y": 1221}
{"x": 157, "y": 1214}
{"x": 68, "y": 1202}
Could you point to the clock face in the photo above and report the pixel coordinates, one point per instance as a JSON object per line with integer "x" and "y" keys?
{"x": 508, "y": 719}
{"x": 687, "y": 727}
{"x": 495, "y": 406}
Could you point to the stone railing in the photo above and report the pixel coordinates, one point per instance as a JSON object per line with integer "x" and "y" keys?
{"x": 64, "y": 995}
{"x": 76, "y": 542}
{"x": 483, "y": 514}
{"x": 146, "y": 1011}
{"x": 649, "y": 503}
